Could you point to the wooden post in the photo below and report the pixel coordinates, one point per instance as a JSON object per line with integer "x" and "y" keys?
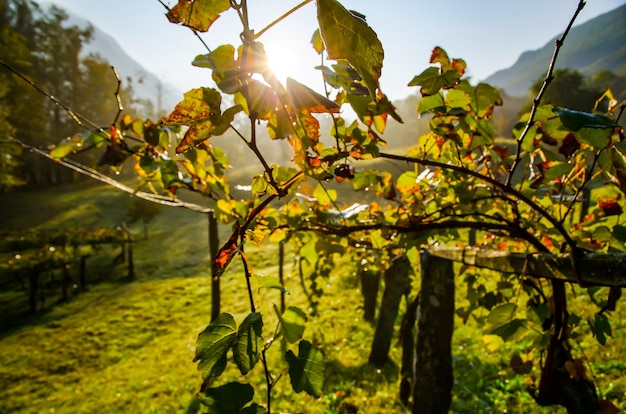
{"x": 433, "y": 378}
{"x": 129, "y": 243}
{"x": 396, "y": 284}
{"x": 281, "y": 274}
{"x": 370, "y": 281}
{"x": 83, "y": 273}
{"x": 215, "y": 282}
{"x": 33, "y": 290}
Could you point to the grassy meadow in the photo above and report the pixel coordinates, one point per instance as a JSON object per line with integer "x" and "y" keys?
{"x": 126, "y": 346}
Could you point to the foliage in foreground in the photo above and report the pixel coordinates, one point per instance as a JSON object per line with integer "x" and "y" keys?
{"x": 523, "y": 199}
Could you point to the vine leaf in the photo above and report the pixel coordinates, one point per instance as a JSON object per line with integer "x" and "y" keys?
{"x": 200, "y": 111}
{"x": 228, "y": 398}
{"x": 347, "y": 36}
{"x": 601, "y": 327}
{"x": 501, "y": 322}
{"x": 307, "y": 369}
{"x": 197, "y": 14}
{"x": 292, "y": 323}
{"x": 213, "y": 345}
{"x": 304, "y": 97}
{"x": 575, "y": 120}
{"x": 249, "y": 343}
{"x": 77, "y": 142}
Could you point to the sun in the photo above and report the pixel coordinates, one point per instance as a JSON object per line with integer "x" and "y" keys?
{"x": 287, "y": 59}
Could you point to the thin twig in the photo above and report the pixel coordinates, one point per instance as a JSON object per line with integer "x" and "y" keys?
{"x": 548, "y": 79}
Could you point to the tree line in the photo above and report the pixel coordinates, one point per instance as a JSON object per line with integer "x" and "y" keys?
{"x": 42, "y": 44}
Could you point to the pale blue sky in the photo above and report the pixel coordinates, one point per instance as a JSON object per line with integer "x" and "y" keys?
{"x": 488, "y": 34}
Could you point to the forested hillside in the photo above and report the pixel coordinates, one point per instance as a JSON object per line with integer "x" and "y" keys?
{"x": 48, "y": 52}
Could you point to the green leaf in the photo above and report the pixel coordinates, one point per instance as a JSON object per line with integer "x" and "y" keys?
{"x": 458, "y": 99}
{"x": 596, "y": 137}
{"x": 323, "y": 196}
{"x": 267, "y": 282}
{"x": 249, "y": 343}
{"x": 292, "y": 323}
{"x": 78, "y": 142}
{"x": 228, "y": 398}
{"x": 601, "y": 327}
{"x": 213, "y": 344}
{"x": 306, "y": 370}
{"x": 429, "y": 80}
{"x": 222, "y": 62}
{"x": 575, "y": 120}
{"x": 347, "y": 36}
{"x": 197, "y": 14}
{"x": 431, "y": 103}
{"x": 501, "y": 322}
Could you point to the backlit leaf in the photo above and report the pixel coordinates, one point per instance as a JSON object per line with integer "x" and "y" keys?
{"x": 200, "y": 111}
{"x": 303, "y": 97}
{"x": 502, "y": 322}
{"x": 213, "y": 344}
{"x": 225, "y": 69}
{"x": 227, "y": 399}
{"x": 347, "y": 36}
{"x": 306, "y": 370}
{"x": 292, "y": 323}
{"x": 197, "y": 14}
{"x": 247, "y": 349}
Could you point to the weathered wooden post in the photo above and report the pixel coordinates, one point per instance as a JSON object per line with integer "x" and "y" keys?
{"x": 129, "y": 242}
{"x": 215, "y": 282}
{"x": 396, "y": 284}
{"x": 433, "y": 378}
{"x": 370, "y": 281}
{"x": 281, "y": 274}
{"x": 33, "y": 290}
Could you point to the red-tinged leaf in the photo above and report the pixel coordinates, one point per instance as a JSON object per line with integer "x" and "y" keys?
{"x": 200, "y": 110}
{"x": 310, "y": 125}
{"x": 303, "y": 97}
{"x": 501, "y": 151}
{"x": 459, "y": 65}
{"x": 347, "y": 36}
{"x": 610, "y": 207}
{"x": 197, "y": 14}
{"x": 606, "y": 407}
{"x": 569, "y": 146}
{"x": 438, "y": 55}
{"x": 547, "y": 242}
{"x": 226, "y": 253}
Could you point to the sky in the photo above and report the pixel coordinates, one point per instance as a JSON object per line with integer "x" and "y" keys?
{"x": 488, "y": 34}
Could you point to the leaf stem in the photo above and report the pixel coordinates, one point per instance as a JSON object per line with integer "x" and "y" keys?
{"x": 281, "y": 18}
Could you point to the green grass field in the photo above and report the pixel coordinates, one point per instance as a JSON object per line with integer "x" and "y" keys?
{"x": 127, "y": 346}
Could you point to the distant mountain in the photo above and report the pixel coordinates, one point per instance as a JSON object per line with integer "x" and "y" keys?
{"x": 597, "y": 44}
{"x": 146, "y": 85}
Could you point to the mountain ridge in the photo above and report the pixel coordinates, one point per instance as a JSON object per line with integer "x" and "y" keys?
{"x": 589, "y": 47}
{"x": 146, "y": 85}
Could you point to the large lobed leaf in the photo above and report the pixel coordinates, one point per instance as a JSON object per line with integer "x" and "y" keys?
{"x": 213, "y": 345}
{"x": 307, "y": 369}
{"x": 247, "y": 348}
{"x": 230, "y": 398}
{"x": 347, "y": 36}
